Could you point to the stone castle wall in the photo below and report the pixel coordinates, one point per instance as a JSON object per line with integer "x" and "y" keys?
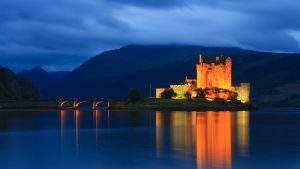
{"x": 180, "y": 90}
{"x": 214, "y": 75}
{"x": 158, "y": 92}
{"x": 243, "y": 91}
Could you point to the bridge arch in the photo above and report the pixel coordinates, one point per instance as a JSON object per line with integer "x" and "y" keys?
{"x": 63, "y": 103}
{"x": 77, "y": 103}
{"x": 97, "y": 103}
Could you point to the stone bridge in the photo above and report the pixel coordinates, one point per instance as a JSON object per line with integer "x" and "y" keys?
{"x": 75, "y": 103}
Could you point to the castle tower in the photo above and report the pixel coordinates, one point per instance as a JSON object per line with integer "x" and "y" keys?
{"x": 214, "y": 72}
{"x": 201, "y": 73}
{"x": 228, "y": 63}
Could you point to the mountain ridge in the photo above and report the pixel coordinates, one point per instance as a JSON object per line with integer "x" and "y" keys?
{"x": 112, "y": 73}
{"x": 41, "y": 78}
{"x": 13, "y": 87}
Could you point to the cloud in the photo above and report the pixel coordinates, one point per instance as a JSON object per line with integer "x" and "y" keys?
{"x": 150, "y": 3}
{"x": 62, "y": 34}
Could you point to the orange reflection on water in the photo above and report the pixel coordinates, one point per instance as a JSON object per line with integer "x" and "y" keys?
{"x": 97, "y": 115}
{"x": 208, "y": 135}
{"x": 243, "y": 132}
{"x": 62, "y": 124}
{"x": 213, "y": 139}
{"x": 159, "y": 135}
{"x": 177, "y": 121}
{"x": 77, "y": 115}
{"x": 182, "y": 132}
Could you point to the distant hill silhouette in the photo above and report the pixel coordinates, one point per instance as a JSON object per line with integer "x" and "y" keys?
{"x": 15, "y": 88}
{"x": 274, "y": 77}
{"x": 41, "y": 78}
{"x": 104, "y": 74}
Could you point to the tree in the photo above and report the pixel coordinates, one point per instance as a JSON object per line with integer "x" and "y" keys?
{"x": 168, "y": 94}
{"x": 134, "y": 95}
{"x": 188, "y": 95}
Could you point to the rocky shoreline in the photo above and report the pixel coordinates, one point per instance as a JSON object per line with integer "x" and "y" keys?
{"x": 167, "y": 104}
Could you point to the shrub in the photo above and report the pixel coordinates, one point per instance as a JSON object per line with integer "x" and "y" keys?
{"x": 134, "y": 95}
{"x": 168, "y": 94}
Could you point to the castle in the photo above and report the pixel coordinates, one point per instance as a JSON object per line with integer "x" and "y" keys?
{"x": 213, "y": 81}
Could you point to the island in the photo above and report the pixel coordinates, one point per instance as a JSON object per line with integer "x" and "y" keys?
{"x": 176, "y": 104}
{"x": 211, "y": 90}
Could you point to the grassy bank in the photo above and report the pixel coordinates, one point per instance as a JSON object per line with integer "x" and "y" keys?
{"x": 170, "y": 104}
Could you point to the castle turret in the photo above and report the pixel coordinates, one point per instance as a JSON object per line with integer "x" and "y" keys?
{"x": 228, "y": 63}
{"x": 200, "y": 58}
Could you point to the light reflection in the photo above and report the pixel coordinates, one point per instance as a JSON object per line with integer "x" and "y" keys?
{"x": 97, "y": 115}
{"x": 159, "y": 135}
{"x": 243, "y": 132}
{"x": 213, "y": 140}
{"x": 208, "y": 135}
{"x": 177, "y": 121}
{"x": 188, "y": 138}
{"x": 77, "y": 115}
{"x": 182, "y": 137}
{"x": 62, "y": 124}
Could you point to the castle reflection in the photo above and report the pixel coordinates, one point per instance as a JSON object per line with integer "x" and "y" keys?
{"x": 242, "y": 131}
{"x": 182, "y": 137}
{"x": 209, "y": 136}
{"x": 159, "y": 132}
{"x": 213, "y": 139}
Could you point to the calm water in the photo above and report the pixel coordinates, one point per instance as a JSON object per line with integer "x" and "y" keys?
{"x": 178, "y": 139}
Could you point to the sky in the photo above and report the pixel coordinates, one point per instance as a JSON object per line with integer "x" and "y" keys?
{"x": 62, "y": 34}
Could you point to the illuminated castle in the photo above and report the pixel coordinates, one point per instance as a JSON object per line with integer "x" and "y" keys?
{"x": 214, "y": 72}
{"x": 213, "y": 81}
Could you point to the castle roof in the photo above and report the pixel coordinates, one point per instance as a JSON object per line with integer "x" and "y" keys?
{"x": 213, "y": 59}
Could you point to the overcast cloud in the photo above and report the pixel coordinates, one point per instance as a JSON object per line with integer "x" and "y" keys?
{"x": 61, "y": 34}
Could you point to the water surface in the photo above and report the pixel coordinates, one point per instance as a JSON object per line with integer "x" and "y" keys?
{"x": 155, "y": 139}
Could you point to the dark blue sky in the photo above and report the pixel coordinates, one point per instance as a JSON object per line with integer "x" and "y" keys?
{"x": 61, "y": 34}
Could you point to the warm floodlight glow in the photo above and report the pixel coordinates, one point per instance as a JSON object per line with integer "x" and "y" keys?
{"x": 213, "y": 81}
